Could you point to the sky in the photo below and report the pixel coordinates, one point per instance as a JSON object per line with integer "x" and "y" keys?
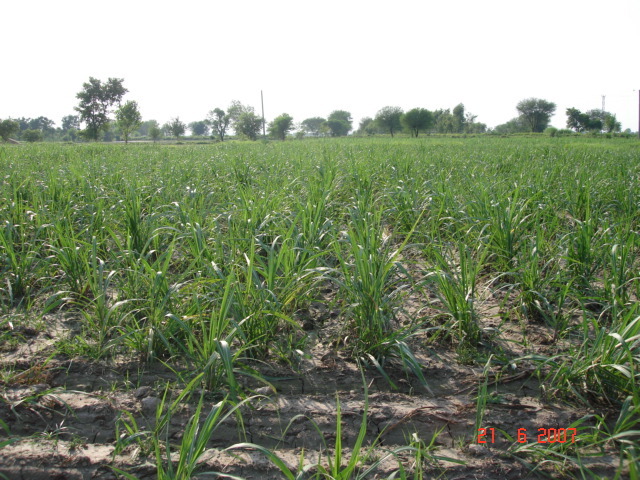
{"x": 183, "y": 59}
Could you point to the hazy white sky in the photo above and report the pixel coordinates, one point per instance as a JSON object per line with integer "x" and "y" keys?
{"x": 186, "y": 58}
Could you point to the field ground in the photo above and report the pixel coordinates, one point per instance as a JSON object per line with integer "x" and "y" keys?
{"x": 334, "y": 305}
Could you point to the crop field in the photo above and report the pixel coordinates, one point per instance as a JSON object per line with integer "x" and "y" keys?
{"x": 332, "y": 308}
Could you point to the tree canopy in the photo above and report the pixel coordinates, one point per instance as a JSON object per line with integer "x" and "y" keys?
{"x": 536, "y": 113}
{"x": 280, "y": 126}
{"x": 128, "y": 119}
{"x": 417, "y": 119}
{"x": 388, "y": 119}
{"x": 313, "y": 126}
{"x": 339, "y": 123}
{"x": 248, "y": 125}
{"x": 96, "y": 100}
{"x": 177, "y": 127}
{"x": 8, "y": 127}
{"x": 219, "y": 122}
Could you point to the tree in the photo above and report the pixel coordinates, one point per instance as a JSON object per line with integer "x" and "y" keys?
{"x": 177, "y": 127}
{"x": 244, "y": 120}
{"x": 219, "y": 122}
{"x": 367, "y": 126}
{"x": 96, "y": 100}
{"x": 199, "y": 128}
{"x": 154, "y": 132}
{"x": 536, "y": 113}
{"x": 313, "y": 126}
{"x": 608, "y": 121}
{"x": 459, "y": 119}
{"x": 70, "y": 122}
{"x": 388, "y": 119}
{"x": 145, "y": 127}
{"x": 280, "y": 126}
{"x": 236, "y": 109}
{"x": 584, "y": 122}
{"x": 515, "y": 125}
{"x": 248, "y": 125}
{"x": 8, "y": 127}
{"x": 443, "y": 121}
{"x": 339, "y": 123}
{"x": 32, "y": 136}
{"x": 417, "y": 119}
{"x": 611, "y": 123}
{"x": 128, "y": 119}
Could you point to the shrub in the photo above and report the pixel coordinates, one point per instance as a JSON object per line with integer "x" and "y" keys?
{"x": 32, "y": 136}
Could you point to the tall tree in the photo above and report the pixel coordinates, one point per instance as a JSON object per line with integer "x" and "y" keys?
{"x": 70, "y": 122}
{"x": 458, "y": 118}
{"x": 154, "y": 132}
{"x": 388, "y": 119}
{"x": 536, "y": 113}
{"x": 145, "y": 127}
{"x": 444, "y": 121}
{"x": 339, "y": 123}
{"x": 417, "y": 119}
{"x": 367, "y": 126}
{"x": 128, "y": 119}
{"x": 219, "y": 122}
{"x": 313, "y": 126}
{"x": 177, "y": 127}
{"x": 611, "y": 123}
{"x": 280, "y": 126}
{"x": 248, "y": 125}
{"x": 582, "y": 122}
{"x": 96, "y": 100}
{"x": 199, "y": 128}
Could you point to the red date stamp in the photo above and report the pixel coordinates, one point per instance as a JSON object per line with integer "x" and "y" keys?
{"x": 542, "y": 435}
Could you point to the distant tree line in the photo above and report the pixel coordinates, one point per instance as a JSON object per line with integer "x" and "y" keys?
{"x": 99, "y": 102}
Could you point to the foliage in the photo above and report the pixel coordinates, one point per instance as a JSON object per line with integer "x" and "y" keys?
{"x": 70, "y": 123}
{"x": 458, "y": 118}
{"x": 248, "y": 125}
{"x": 417, "y": 119}
{"x": 177, "y": 127}
{"x": 32, "y": 136}
{"x": 388, "y": 119}
{"x": 536, "y": 113}
{"x": 199, "y": 128}
{"x": 515, "y": 125}
{"x": 128, "y": 118}
{"x": 592, "y": 121}
{"x": 96, "y": 100}
{"x": 8, "y": 127}
{"x": 339, "y": 123}
{"x": 146, "y": 126}
{"x": 207, "y": 257}
{"x": 611, "y": 124}
{"x": 219, "y": 122}
{"x": 155, "y": 133}
{"x": 313, "y": 126}
{"x": 280, "y": 126}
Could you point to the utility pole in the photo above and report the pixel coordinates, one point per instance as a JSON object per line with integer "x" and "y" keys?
{"x": 264, "y": 134}
{"x": 603, "y": 97}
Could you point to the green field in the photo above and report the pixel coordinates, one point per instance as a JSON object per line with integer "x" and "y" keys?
{"x": 486, "y": 271}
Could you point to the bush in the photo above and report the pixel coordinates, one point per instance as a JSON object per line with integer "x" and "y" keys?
{"x": 32, "y": 136}
{"x": 551, "y": 131}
